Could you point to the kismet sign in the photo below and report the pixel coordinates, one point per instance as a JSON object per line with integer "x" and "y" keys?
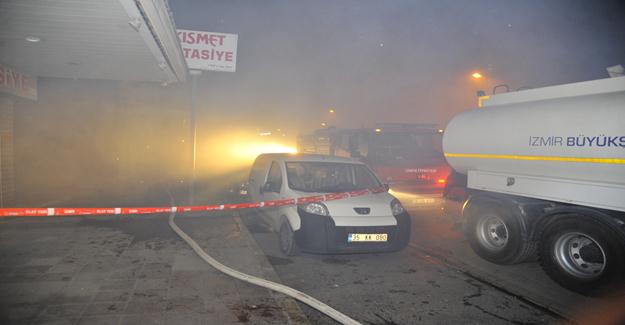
{"x": 208, "y": 50}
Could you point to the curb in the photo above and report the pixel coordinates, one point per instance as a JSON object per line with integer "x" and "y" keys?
{"x": 289, "y": 306}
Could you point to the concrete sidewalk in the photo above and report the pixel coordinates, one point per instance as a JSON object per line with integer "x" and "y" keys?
{"x": 113, "y": 270}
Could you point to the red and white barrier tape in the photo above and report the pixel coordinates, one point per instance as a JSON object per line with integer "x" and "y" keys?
{"x": 45, "y": 212}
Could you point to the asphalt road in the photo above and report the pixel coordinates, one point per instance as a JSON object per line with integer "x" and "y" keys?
{"x": 408, "y": 287}
{"x": 441, "y": 236}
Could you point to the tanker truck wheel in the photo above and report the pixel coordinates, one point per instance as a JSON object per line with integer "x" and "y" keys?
{"x": 496, "y": 235}
{"x": 583, "y": 255}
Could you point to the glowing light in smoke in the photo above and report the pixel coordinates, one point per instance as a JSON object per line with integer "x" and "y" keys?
{"x": 249, "y": 151}
{"x": 476, "y": 75}
{"x": 223, "y": 151}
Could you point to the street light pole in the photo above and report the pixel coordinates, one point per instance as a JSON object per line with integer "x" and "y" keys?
{"x": 195, "y": 74}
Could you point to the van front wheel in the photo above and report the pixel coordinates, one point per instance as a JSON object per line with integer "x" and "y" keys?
{"x": 288, "y": 246}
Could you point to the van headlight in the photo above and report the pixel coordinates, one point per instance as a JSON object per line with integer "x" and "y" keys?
{"x": 316, "y": 208}
{"x": 396, "y": 207}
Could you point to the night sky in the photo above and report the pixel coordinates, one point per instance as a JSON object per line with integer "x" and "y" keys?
{"x": 393, "y": 61}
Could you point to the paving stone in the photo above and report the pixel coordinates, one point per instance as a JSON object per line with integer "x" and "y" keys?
{"x": 32, "y": 269}
{"x": 78, "y": 287}
{"x": 145, "y": 319}
{"x": 62, "y": 311}
{"x": 45, "y": 261}
{"x": 125, "y": 273}
{"x": 65, "y": 267}
{"x": 145, "y": 284}
{"x": 155, "y": 271}
{"x": 97, "y": 268}
{"x": 65, "y": 277}
{"x": 189, "y": 318}
{"x": 8, "y": 291}
{"x": 112, "y": 295}
{"x": 146, "y": 306}
{"x": 19, "y": 312}
{"x": 117, "y": 284}
{"x": 17, "y": 259}
{"x": 190, "y": 262}
{"x": 70, "y": 299}
{"x": 92, "y": 276}
{"x": 184, "y": 304}
{"x": 59, "y": 321}
{"x": 22, "y": 277}
{"x": 39, "y": 292}
{"x": 5, "y": 270}
{"x": 99, "y": 320}
{"x": 104, "y": 308}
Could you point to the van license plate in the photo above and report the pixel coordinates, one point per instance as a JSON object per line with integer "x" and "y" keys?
{"x": 367, "y": 238}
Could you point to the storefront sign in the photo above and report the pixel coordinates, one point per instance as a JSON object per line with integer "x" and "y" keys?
{"x": 209, "y": 51}
{"x": 17, "y": 83}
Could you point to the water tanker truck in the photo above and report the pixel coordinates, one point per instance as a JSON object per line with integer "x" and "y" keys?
{"x": 545, "y": 179}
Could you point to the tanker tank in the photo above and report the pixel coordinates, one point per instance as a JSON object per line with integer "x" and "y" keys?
{"x": 562, "y": 143}
{"x": 573, "y": 137}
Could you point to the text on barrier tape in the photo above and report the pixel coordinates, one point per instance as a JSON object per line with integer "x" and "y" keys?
{"x": 44, "y": 212}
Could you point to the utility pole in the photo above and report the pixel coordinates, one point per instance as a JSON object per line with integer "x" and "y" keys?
{"x": 195, "y": 75}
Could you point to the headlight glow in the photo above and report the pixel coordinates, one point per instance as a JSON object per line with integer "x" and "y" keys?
{"x": 316, "y": 208}
{"x": 396, "y": 207}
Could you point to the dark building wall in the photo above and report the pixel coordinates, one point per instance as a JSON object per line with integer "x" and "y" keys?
{"x": 107, "y": 140}
{"x": 7, "y": 170}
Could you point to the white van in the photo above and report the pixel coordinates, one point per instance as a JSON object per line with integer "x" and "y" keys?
{"x": 367, "y": 223}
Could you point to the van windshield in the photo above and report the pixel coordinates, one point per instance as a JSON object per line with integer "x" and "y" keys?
{"x": 324, "y": 177}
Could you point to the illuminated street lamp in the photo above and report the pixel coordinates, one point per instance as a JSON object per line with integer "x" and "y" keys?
{"x": 324, "y": 124}
{"x": 476, "y": 75}
{"x": 331, "y": 110}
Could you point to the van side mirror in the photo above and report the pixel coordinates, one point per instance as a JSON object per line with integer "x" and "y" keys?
{"x": 386, "y": 187}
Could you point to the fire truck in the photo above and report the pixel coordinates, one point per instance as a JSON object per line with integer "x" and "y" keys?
{"x": 406, "y": 156}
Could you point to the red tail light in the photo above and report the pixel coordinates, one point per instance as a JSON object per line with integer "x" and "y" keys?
{"x": 441, "y": 181}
